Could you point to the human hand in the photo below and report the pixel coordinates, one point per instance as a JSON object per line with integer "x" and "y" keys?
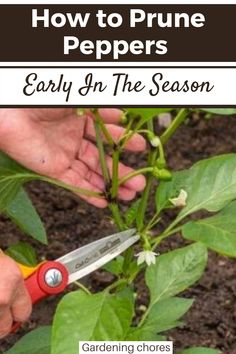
{"x": 15, "y": 302}
{"x": 59, "y": 144}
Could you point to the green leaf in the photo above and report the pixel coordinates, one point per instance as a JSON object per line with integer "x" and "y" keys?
{"x": 147, "y": 113}
{"x": 210, "y": 184}
{"x": 24, "y": 215}
{"x": 131, "y": 213}
{"x": 128, "y": 294}
{"x": 23, "y": 253}
{"x": 217, "y": 232}
{"x": 165, "y": 314}
{"x": 12, "y": 177}
{"x": 223, "y": 111}
{"x": 115, "y": 266}
{"x": 175, "y": 271}
{"x": 200, "y": 350}
{"x": 35, "y": 342}
{"x": 82, "y": 317}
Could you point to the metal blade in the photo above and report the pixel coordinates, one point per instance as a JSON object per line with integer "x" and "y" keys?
{"x": 88, "y": 258}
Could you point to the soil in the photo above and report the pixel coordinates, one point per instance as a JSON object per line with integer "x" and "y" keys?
{"x": 71, "y": 223}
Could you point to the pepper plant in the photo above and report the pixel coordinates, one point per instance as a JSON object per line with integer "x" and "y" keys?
{"x": 209, "y": 185}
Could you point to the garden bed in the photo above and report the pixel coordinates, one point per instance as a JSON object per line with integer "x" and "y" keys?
{"x": 71, "y": 223}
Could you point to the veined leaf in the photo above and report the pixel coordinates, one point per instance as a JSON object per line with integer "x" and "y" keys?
{"x": 23, "y": 253}
{"x": 25, "y": 216}
{"x": 175, "y": 271}
{"x": 35, "y": 342}
{"x": 163, "y": 315}
{"x": 12, "y": 177}
{"x": 223, "y": 111}
{"x": 200, "y": 350}
{"x": 217, "y": 232}
{"x": 82, "y": 317}
{"x": 210, "y": 185}
{"x": 166, "y": 313}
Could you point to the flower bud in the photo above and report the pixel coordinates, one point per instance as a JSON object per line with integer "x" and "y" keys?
{"x": 153, "y": 139}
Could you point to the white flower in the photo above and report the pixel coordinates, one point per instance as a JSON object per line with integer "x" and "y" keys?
{"x": 146, "y": 256}
{"x": 180, "y": 201}
{"x": 164, "y": 120}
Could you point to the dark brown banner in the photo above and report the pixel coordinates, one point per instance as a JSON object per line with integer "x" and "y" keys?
{"x": 146, "y": 41}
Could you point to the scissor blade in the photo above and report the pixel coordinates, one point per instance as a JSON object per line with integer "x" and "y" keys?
{"x": 88, "y": 258}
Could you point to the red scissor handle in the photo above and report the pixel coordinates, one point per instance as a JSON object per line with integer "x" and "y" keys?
{"x": 51, "y": 278}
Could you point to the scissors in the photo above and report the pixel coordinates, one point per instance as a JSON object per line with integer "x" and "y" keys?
{"x": 52, "y": 277}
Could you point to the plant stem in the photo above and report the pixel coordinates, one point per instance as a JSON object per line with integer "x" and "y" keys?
{"x": 82, "y": 287}
{"x": 172, "y": 226}
{"x": 134, "y": 173}
{"x": 69, "y": 187}
{"x": 101, "y": 151}
{"x": 143, "y": 204}
{"x": 117, "y": 216}
{"x": 129, "y": 252}
{"x": 155, "y": 219}
{"x": 104, "y": 130}
{"x": 179, "y": 119}
{"x": 106, "y": 175}
{"x": 114, "y": 207}
{"x": 144, "y": 199}
{"x": 27, "y": 177}
{"x": 116, "y": 284}
{"x": 115, "y": 173}
{"x": 145, "y": 315}
{"x": 161, "y": 152}
{"x": 125, "y": 137}
{"x": 156, "y": 241}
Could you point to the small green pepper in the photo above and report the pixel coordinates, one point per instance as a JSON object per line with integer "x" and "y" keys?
{"x": 162, "y": 175}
